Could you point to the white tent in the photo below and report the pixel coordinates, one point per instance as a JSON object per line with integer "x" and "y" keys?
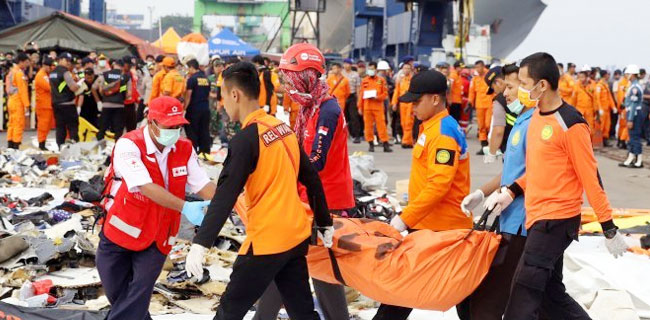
{"x": 601, "y": 33}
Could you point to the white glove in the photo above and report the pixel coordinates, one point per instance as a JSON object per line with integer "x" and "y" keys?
{"x": 99, "y": 106}
{"x": 82, "y": 87}
{"x": 267, "y": 108}
{"x": 398, "y": 223}
{"x": 326, "y": 236}
{"x": 498, "y": 200}
{"x": 601, "y": 112}
{"x": 489, "y": 157}
{"x": 471, "y": 201}
{"x": 615, "y": 110}
{"x": 616, "y": 245}
{"x": 194, "y": 261}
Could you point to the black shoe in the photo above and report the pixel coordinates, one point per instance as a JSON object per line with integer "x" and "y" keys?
{"x": 357, "y": 140}
{"x": 12, "y": 145}
{"x": 41, "y": 145}
{"x": 480, "y": 152}
{"x": 623, "y": 145}
{"x": 606, "y": 143}
{"x": 387, "y": 147}
{"x": 407, "y": 146}
{"x": 371, "y": 147}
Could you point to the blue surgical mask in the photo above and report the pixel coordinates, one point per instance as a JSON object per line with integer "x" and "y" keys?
{"x": 370, "y": 72}
{"x": 168, "y": 137}
{"x": 516, "y": 107}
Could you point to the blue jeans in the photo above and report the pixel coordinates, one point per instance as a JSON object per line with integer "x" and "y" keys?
{"x": 636, "y": 133}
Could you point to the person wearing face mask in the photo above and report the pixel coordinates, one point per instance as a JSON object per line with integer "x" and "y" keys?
{"x": 150, "y": 170}
{"x": 372, "y": 94}
{"x": 489, "y": 300}
{"x": 560, "y": 167}
{"x": 102, "y": 64}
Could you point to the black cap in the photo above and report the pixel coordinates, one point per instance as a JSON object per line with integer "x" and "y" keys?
{"x": 490, "y": 76}
{"x": 47, "y": 61}
{"x": 425, "y": 82}
{"x": 65, "y": 55}
{"x": 86, "y": 60}
{"x": 118, "y": 62}
{"x": 127, "y": 60}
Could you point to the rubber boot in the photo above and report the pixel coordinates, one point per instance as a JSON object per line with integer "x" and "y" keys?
{"x": 639, "y": 161}
{"x": 628, "y": 162}
{"x": 387, "y": 147}
{"x": 371, "y": 147}
{"x": 11, "y": 145}
{"x": 480, "y": 151}
{"x": 357, "y": 140}
{"x": 41, "y": 145}
{"x": 606, "y": 143}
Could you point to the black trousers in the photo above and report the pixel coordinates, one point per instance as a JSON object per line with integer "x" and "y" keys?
{"x": 67, "y": 122}
{"x": 251, "y": 275}
{"x": 537, "y": 283}
{"x": 612, "y": 129}
{"x": 89, "y": 112}
{"x": 113, "y": 119}
{"x": 199, "y": 129}
{"x": 130, "y": 117}
{"x": 456, "y": 110}
{"x": 140, "y": 112}
{"x": 354, "y": 120}
{"x": 416, "y": 129}
{"x": 395, "y": 123}
{"x": 489, "y": 300}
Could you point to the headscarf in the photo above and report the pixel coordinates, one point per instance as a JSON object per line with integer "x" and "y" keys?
{"x": 309, "y": 91}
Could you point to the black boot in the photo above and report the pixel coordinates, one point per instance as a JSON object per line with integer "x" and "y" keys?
{"x": 371, "y": 147}
{"x": 11, "y": 145}
{"x": 41, "y": 145}
{"x": 357, "y": 140}
{"x": 624, "y": 145}
{"x": 606, "y": 143}
{"x": 480, "y": 151}
{"x": 387, "y": 147}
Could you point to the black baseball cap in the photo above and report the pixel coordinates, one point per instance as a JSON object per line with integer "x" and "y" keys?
{"x": 65, "y": 55}
{"x": 86, "y": 60}
{"x": 48, "y": 61}
{"x": 490, "y": 76}
{"x": 425, "y": 82}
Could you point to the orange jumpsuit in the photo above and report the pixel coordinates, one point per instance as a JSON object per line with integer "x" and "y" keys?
{"x": 373, "y": 108}
{"x": 482, "y": 102}
{"x": 566, "y": 85}
{"x": 273, "y": 104}
{"x": 339, "y": 88}
{"x": 623, "y": 85}
{"x": 456, "y": 87}
{"x": 292, "y": 108}
{"x": 44, "y": 112}
{"x": 18, "y": 102}
{"x": 584, "y": 98}
{"x": 173, "y": 84}
{"x": 604, "y": 103}
{"x": 156, "y": 85}
{"x": 405, "y": 110}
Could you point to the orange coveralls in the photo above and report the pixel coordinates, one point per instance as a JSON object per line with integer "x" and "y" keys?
{"x": 373, "y": 108}
{"x": 18, "y": 102}
{"x": 405, "y": 110}
{"x": 482, "y": 102}
{"x": 44, "y": 112}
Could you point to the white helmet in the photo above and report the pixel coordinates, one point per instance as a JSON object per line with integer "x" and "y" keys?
{"x": 632, "y": 69}
{"x": 585, "y": 68}
{"x": 382, "y": 66}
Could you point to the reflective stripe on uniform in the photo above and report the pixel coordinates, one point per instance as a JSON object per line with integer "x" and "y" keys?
{"x": 62, "y": 86}
{"x": 510, "y": 119}
{"x": 118, "y": 223}
{"x": 123, "y": 88}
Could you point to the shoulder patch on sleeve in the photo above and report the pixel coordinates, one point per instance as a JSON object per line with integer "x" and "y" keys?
{"x": 445, "y": 156}
{"x": 568, "y": 116}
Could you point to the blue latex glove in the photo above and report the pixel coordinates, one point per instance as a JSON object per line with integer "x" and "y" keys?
{"x": 193, "y": 211}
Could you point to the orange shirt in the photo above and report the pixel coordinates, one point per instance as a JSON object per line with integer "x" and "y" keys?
{"x": 291, "y": 107}
{"x": 439, "y": 177}
{"x": 603, "y": 97}
{"x": 478, "y": 96}
{"x": 339, "y": 88}
{"x": 584, "y": 95}
{"x": 560, "y": 166}
{"x": 456, "y": 87}
{"x": 156, "y": 84}
{"x": 42, "y": 90}
{"x": 372, "y": 85}
{"x": 401, "y": 88}
{"x": 565, "y": 87}
{"x": 173, "y": 84}
{"x": 623, "y": 84}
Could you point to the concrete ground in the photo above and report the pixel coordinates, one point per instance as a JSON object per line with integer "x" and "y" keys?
{"x": 626, "y": 188}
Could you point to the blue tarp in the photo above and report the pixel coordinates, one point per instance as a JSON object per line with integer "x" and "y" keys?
{"x": 226, "y": 43}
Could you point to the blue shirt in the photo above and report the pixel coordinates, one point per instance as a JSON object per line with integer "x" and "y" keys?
{"x": 513, "y": 218}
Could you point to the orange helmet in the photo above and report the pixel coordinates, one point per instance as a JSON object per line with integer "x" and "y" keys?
{"x": 302, "y": 56}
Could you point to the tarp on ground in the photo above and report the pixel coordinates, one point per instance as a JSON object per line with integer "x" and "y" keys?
{"x": 62, "y": 31}
{"x": 168, "y": 41}
{"x": 226, "y": 43}
{"x": 9, "y": 311}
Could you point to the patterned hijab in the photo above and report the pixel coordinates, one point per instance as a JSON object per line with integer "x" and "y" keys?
{"x": 306, "y": 89}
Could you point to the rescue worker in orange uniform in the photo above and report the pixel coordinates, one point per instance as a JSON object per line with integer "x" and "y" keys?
{"x": 567, "y": 84}
{"x": 440, "y": 176}
{"x": 620, "y": 91}
{"x": 482, "y": 102}
{"x": 372, "y": 94}
{"x": 405, "y": 109}
{"x": 18, "y": 104}
{"x": 456, "y": 91}
{"x": 339, "y": 84}
{"x": 158, "y": 77}
{"x": 605, "y": 104}
{"x": 150, "y": 170}
{"x": 173, "y": 84}
{"x": 292, "y": 107}
{"x": 583, "y": 95}
{"x": 44, "y": 113}
{"x": 269, "y": 85}
{"x": 265, "y": 158}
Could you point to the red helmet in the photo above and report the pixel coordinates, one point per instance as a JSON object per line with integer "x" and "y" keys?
{"x": 302, "y": 56}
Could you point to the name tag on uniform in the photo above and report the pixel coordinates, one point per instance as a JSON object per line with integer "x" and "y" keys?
{"x": 369, "y": 94}
{"x": 179, "y": 171}
{"x": 422, "y": 139}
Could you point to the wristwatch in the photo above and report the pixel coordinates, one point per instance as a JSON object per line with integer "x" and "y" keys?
{"x": 610, "y": 233}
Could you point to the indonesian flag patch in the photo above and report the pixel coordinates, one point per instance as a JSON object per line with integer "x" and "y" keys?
{"x": 323, "y": 130}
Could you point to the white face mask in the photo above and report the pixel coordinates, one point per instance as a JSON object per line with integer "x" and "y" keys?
{"x": 516, "y": 107}
{"x": 371, "y": 72}
{"x": 102, "y": 63}
{"x": 168, "y": 137}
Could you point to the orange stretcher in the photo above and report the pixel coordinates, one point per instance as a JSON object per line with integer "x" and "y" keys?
{"x": 424, "y": 270}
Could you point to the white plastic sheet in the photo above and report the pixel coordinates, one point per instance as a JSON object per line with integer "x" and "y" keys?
{"x": 363, "y": 170}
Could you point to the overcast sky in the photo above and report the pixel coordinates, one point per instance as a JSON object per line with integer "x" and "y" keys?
{"x": 161, "y": 7}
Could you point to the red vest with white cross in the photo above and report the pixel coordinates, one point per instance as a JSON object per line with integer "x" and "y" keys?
{"x": 134, "y": 221}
